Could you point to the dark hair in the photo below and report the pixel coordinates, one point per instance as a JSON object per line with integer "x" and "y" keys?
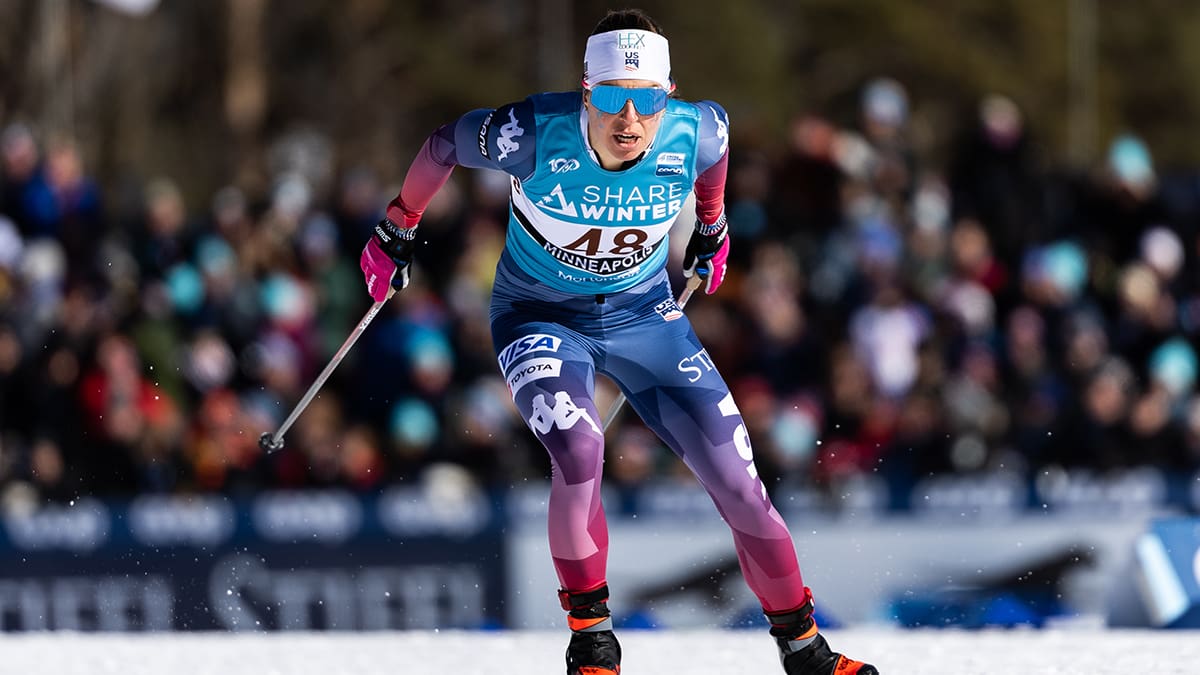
{"x": 618, "y": 19}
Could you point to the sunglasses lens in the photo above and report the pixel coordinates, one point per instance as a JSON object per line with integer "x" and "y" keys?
{"x": 650, "y": 101}
{"x": 611, "y": 100}
{"x": 607, "y": 99}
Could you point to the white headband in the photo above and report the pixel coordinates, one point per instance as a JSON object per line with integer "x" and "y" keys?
{"x": 627, "y": 54}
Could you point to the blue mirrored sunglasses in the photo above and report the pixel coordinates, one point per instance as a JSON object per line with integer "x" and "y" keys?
{"x": 611, "y": 99}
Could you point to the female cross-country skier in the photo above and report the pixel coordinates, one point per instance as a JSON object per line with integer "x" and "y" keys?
{"x": 598, "y": 177}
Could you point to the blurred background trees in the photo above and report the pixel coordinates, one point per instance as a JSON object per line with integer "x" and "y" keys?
{"x": 200, "y": 90}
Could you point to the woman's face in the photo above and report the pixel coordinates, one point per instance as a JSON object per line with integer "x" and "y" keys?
{"x": 620, "y": 137}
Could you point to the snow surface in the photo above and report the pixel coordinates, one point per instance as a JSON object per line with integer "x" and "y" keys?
{"x": 706, "y": 652}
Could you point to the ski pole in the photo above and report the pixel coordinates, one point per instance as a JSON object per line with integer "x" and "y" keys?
{"x": 270, "y": 442}
{"x": 686, "y": 294}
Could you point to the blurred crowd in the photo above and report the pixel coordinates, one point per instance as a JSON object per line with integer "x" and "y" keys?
{"x": 884, "y": 314}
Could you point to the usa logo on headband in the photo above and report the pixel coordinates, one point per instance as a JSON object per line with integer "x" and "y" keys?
{"x": 631, "y": 42}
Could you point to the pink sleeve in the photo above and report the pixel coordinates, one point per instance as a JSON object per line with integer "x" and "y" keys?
{"x": 429, "y": 171}
{"x": 710, "y": 191}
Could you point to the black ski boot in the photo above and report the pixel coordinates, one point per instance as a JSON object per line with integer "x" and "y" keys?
{"x": 593, "y": 649}
{"x": 804, "y": 651}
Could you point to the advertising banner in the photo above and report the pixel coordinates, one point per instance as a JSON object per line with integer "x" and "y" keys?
{"x": 322, "y": 560}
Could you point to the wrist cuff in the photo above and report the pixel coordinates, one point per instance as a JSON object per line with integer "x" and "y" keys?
{"x": 402, "y": 217}
{"x": 708, "y": 230}
{"x": 387, "y": 231}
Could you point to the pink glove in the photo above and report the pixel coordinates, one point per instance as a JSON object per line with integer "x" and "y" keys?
{"x": 707, "y": 255}
{"x": 378, "y": 270}
{"x": 389, "y": 251}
